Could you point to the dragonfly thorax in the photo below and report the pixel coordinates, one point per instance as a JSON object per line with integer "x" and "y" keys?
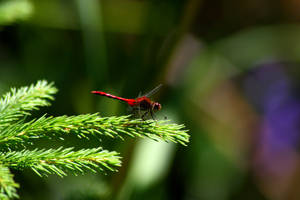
{"x": 144, "y": 103}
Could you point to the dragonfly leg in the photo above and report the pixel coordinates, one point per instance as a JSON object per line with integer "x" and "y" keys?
{"x": 144, "y": 115}
{"x": 139, "y": 111}
{"x": 152, "y": 114}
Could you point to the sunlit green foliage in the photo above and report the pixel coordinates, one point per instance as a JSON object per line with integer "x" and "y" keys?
{"x": 14, "y": 10}
{"x": 7, "y": 184}
{"x": 16, "y": 131}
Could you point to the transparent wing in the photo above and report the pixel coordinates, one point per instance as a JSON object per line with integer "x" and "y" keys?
{"x": 153, "y": 91}
{"x": 140, "y": 94}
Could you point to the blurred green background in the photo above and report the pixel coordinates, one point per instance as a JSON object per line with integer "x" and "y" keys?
{"x": 230, "y": 71}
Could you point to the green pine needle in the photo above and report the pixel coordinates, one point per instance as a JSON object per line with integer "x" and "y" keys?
{"x": 92, "y": 124}
{"x": 16, "y": 103}
{"x": 59, "y": 161}
{"x": 8, "y": 188}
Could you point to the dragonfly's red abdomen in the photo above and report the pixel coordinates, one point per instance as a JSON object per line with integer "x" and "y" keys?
{"x": 131, "y": 102}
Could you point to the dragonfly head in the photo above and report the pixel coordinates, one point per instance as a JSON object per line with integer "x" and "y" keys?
{"x": 156, "y": 106}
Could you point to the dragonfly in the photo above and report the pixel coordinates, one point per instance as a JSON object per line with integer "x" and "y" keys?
{"x": 143, "y": 103}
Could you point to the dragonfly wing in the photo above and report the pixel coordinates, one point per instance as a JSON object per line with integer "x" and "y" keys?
{"x": 140, "y": 94}
{"x": 153, "y": 91}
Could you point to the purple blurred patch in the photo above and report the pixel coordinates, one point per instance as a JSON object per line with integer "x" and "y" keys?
{"x": 270, "y": 90}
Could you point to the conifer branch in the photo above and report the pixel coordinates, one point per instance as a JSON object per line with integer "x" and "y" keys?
{"x": 8, "y": 187}
{"x": 57, "y": 161}
{"x": 83, "y": 126}
{"x": 15, "y": 130}
{"x": 15, "y": 104}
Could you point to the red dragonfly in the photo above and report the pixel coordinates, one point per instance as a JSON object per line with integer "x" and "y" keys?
{"x": 143, "y": 103}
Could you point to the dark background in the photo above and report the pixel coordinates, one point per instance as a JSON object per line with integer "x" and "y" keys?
{"x": 230, "y": 71}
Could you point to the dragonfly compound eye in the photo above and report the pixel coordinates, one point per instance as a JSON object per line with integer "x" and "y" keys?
{"x": 157, "y": 106}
